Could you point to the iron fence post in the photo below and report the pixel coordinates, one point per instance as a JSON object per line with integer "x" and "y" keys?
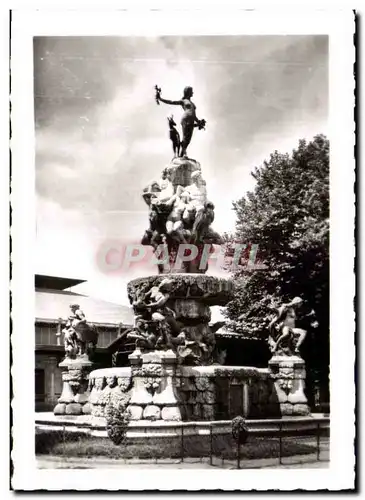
{"x": 211, "y": 444}
{"x": 280, "y": 443}
{"x": 318, "y": 441}
{"x": 64, "y": 441}
{"x": 238, "y": 453}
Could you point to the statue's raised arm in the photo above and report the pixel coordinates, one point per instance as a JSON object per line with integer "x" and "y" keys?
{"x": 165, "y": 101}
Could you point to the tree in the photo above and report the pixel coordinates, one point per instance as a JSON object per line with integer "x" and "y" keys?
{"x": 287, "y": 216}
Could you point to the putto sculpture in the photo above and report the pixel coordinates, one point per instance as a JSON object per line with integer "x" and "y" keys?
{"x": 179, "y": 214}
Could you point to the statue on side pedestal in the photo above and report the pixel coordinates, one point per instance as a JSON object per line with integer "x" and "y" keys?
{"x": 80, "y": 339}
{"x": 285, "y": 338}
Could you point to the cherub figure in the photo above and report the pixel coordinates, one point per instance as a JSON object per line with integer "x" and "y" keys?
{"x": 159, "y": 296}
{"x": 141, "y": 334}
{"x": 175, "y": 224}
{"x": 196, "y": 207}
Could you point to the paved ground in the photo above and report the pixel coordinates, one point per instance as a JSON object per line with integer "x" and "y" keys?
{"x": 296, "y": 462}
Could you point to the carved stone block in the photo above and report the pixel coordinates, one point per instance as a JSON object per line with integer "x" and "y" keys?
{"x": 86, "y": 409}
{"x": 135, "y": 412}
{"x": 301, "y": 409}
{"x": 209, "y": 397}
{"x": 288, "y": 375}
{"x": 171, "y": 413}
{"x": 59, "y": 409}
{"x": 286, "y": 409}
{"x": 81, "y": 398}
{"x": 152, "y": 412}
{"x": 208, "y": 412}
{"x": 73, "y": 409}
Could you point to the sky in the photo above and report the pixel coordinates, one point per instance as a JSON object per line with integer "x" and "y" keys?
{"x": 101, "y": 138}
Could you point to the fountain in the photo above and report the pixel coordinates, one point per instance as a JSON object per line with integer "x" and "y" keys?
{"x": 174, "y": 377}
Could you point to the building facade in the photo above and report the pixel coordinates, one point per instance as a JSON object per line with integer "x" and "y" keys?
{"x": 53, "y": 300}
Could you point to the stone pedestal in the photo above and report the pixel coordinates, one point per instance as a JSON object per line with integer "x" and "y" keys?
{"x": 140, "y": 397}
{"x": 153, "y": 394}
{"x": 75, "y": 377}
{"x": 180, "y": 170}
{"x": 288, "y": 374}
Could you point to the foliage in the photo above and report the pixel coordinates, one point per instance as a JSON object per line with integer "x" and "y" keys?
{"x": 117, "y": 418}
{"x": 287, "y": 216}
{"x": 239, "y": 430}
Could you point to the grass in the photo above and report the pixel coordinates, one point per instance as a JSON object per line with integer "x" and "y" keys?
{"x": 81, "y": 445}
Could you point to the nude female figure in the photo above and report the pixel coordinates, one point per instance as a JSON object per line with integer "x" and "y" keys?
{"x": 189, "y": 119}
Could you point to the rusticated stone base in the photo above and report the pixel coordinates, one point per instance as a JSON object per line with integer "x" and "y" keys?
{"x": 86, "y": 408}
{"x": 60, "y": 409}
{"x": 152, "y": 412}
{"x": 153, "y": 393}
{"x": 288, "y": 374}
{"x": 74, "y": 409}
{"x": 171, "y": 413}
{"x": 136, "y": 412}
{"x": 74, "y": 399}
{"x": 158, "y": 390}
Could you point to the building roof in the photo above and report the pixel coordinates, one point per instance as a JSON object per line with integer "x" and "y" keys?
{"x": 55, "y": 282}
{"x": 51, "y": 305}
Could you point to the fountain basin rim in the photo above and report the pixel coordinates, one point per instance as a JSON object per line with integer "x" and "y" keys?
{"x": 143, "y": 429}
{"x": 217, "y": 291}
{"x": 186, "y": 371}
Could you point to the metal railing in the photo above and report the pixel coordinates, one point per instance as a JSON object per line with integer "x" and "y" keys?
{"x": 210, "y": 444}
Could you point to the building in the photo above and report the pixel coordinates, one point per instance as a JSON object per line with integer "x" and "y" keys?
{"x": 53, "y": 300}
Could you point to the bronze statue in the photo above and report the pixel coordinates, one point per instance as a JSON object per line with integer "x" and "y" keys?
{"x": 79, "y": 338}
{"x": 70, "y": 336}
{"x": 189, "y": 119}
{"x": 142, "y": 334}
{"x": 285, "y": 337}
{"x": 151, "y": 307}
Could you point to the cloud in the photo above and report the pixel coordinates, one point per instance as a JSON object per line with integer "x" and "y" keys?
{"x": 100, "y": 137}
